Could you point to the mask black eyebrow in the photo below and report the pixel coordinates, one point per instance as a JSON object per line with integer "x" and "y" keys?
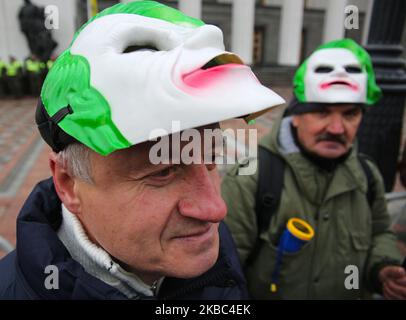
{"x": 133, "y": 48}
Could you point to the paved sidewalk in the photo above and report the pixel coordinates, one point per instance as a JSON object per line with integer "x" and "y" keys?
{"x": 23, "y": 160}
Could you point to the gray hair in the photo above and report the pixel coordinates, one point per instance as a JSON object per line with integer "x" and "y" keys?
{"x": 75, "y": 158}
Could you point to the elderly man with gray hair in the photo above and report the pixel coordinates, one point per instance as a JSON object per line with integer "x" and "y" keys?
{"x": 110, "y": 223}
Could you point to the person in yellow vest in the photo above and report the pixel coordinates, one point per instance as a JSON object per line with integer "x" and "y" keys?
{"x": 2, "y": 78}
{"x": 34, "y": 72}
{"x": 45, "y": 66}
{"x": 14, "y": 72}
{"x": 43, "y": 70}
{"x": 2, "y": 66}
{"x": 50, "y": 63}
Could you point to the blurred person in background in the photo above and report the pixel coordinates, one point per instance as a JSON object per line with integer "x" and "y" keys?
{"x": 14, "y": 77}
{"x": 34, "y": 70}
{"x": 3, "y": 71}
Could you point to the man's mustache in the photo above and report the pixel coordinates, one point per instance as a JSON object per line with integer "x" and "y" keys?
{"x": 340, "y": 138}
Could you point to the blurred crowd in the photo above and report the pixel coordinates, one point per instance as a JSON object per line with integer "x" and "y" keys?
{"x": 22, "y": 78}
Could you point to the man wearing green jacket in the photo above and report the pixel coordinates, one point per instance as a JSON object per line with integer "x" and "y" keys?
{"x": 352, "y": 253}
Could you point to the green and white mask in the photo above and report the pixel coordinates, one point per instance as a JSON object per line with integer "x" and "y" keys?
{"x": 337, "y": 72}
{"x": 139, "y": 66}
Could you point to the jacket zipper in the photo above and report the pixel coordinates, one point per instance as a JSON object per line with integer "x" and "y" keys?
{"x": 311, "y": 273}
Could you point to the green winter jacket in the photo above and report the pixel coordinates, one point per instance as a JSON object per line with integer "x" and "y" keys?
{"x": 347, "y": 231}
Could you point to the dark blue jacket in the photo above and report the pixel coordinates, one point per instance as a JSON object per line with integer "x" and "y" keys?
{"x": 22, "y": 273}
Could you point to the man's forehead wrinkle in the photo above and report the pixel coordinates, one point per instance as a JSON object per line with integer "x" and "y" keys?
{"x": 136, "y": 158}
{"x": 344, "y": 108}
{"x": 127, "y": 160}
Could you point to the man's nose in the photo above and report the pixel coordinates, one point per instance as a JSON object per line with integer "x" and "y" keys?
{"x": 336, "y": 125}
{"x": 202, "y": 200}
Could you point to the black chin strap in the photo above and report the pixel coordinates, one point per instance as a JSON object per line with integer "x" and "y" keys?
{"x": 48, "y": 127}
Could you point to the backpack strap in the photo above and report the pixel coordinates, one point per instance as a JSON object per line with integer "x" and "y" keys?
{"x": 370, "y": 178}
{"x": 269, "y": 187}
{"x": 268, "y": 194}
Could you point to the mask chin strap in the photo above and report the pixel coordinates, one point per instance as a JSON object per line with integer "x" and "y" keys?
{"x": 49, "y": 129}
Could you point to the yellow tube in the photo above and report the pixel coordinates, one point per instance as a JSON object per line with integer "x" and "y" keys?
{"x": 300, "y": 229}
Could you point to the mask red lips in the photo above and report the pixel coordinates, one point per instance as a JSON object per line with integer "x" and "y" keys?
{"x": 202, "y": 78}
{"x": 221, "y": 68}
{"x": 328, "y": 85}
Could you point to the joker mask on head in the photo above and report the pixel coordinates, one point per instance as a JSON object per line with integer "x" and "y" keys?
{"x": 333, "y": 75}
{"x": 337, "y": 72}
{"x": 140, "y": 66}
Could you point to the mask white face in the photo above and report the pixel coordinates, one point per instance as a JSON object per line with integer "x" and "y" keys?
{"x": 162, "y": 79}
{"x": 334, "y": 76}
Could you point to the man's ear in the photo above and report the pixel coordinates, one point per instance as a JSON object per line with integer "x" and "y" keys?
{"x": 295, "y": 121}
{"x": 64, "y": 184}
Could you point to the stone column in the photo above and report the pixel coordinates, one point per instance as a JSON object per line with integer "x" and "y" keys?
{"x": 290, "y": 32}
{"x": 334, "y": 20}
{"x": 242, "y": 31}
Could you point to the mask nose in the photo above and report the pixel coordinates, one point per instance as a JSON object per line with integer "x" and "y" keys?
{"x": 205, "y": 36}
{"x": 339, "y": 71}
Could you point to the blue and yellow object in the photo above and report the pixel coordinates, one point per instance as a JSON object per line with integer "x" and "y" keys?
{"x": 297, "y": 233}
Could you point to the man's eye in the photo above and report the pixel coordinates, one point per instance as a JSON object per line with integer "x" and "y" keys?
{"x": 165, "y": 173}
{"x": 323, "y": 69}
{"x": 321, "y": 113}
{"x": 352, "y": 113}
